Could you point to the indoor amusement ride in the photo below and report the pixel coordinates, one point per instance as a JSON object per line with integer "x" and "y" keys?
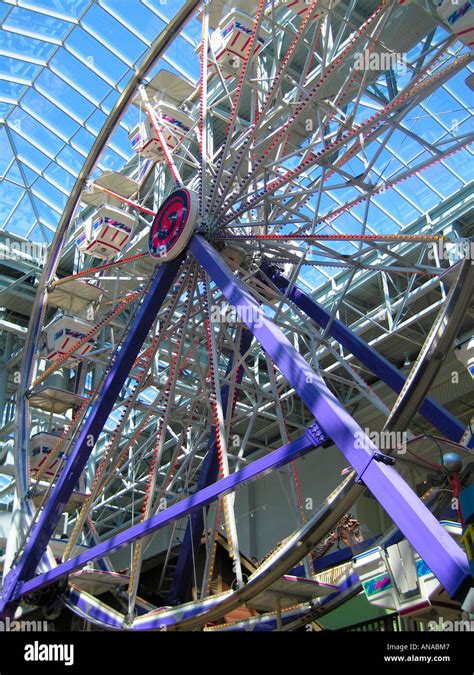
{"x": 176, "y": 353}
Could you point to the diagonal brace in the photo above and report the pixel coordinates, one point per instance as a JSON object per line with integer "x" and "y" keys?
{"x": 420, "y": 527}
{"x": 92, "y": 427}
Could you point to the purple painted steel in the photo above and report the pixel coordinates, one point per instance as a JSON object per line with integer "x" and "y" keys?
{"x": 80, "y": 453}
{"x": 420, "y": 527}
{"x": 433, "y": 411}
{"x": 275, "y": 459}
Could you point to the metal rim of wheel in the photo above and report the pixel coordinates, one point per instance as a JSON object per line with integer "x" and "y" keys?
{"x": 254, "y": 185}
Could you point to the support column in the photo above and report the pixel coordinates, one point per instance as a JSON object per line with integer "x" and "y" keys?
{"x": 444, "y": 557}
{"x": 92, "y": 427}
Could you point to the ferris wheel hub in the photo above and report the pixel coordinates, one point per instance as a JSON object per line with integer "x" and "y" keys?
{"x": 173, "y": 225}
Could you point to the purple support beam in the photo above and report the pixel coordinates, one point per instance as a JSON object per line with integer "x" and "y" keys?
{"x": 91, "y": 429}
{"x": 312, "y": 438}
{"x": 420, "y": 527}
{"x": 438, "y": 416}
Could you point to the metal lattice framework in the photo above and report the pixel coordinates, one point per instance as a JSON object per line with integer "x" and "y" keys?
{"x": 296, "y": 268}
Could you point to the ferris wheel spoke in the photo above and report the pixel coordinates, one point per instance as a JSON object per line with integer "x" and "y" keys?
{"x": 283, "y": 133}
{"x": 235, "y": 103}
{"x": 220, "y": 431}
{"x": 416, "y": 91}
{"x": 100, "y": 481}
{"x": 149, "y": 505}
{"x": 203, "y": 108}
{"x": 270, "y": 96}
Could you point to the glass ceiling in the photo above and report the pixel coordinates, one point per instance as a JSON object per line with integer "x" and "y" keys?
{"x": 63, "y": 64}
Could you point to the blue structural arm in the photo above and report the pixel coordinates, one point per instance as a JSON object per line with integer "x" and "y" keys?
{"x": 439, "y": 417}
{"x": 444, "y": 557}
{"x": 182, "y": 579}
{"x": 313, "y": 437}
{"x": 92, "y": 427}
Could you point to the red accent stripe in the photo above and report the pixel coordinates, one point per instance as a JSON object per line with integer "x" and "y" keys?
{"x": 467, "y": 30}
{"x": 415, "y": 608}
{"x": 106, "y": 243}
{"x": 246, "y": 43}
{"x": 124, "y": 240}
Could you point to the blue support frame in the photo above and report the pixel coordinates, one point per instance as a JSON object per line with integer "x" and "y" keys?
{"x": 438, "y": 416}
{"x": 434, "y": 545}
{"x": 41, "y": 533}
{"x": 313, "y": 437}
{"x": 444, "y": 557}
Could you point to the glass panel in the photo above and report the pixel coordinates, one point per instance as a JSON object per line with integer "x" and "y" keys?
{"x": 6, "y": 152}
{"x": 419, "y": 194}
{"x": 110, "y": 160}
{"x": 22, "y": 219}
{"x": 9, "y": 195}
{"x": 11, "y": 90}
{"x": 397, "y": 207}
{"x": 18, "y": 68}
{"x": 96, "y": 54}
{"x": 5, "y": 109}
{"x": 14, "y": 174}
{"x": 67, "y": 97}
{"x": 71, "y": 160}
{"x": 82, "y": 141}
{"x": 37, "y": 104}
{"x": 463, "y": 163}
{"x": 46, "y": 213}
{"x": 28, "y": 126}
{"x": 102, "y": 24}
{"x": 25, "y": 46}
{"x": 138, "y": 17}
{"x": 30, "y": 175}
{"x": 38, "y": 234}
{"x": 28, "y": 153}
{"x": 4, "y": 9}
{"x": 60, "y": 176}
{"x": 40, "y": 24}
{"x": 163, "y": 7}
{"x": 66, "y": 8}
{"x": 81, "y": 76}
{"x": 51, "y": 194}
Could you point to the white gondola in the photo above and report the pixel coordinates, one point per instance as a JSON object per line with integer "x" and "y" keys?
{"x": 105, "y": 232}
{"x": 62, "y": 334}
{"x": 41, "y": 445}
{"x": 94, "y": 195}
{"x": 229, "y": 42}
{"x": 145, "y": 142}
{"x": 396, "y": 578}
{"x": 459, "y": 18}
{"x": 174, "y": 124}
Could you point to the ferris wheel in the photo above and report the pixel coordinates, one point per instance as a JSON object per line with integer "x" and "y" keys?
{"x": 175, "y": 324}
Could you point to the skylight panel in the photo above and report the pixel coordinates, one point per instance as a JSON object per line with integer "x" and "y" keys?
{"x": 40, "y": 25}
{"x": 95, "y": 54}
{"x": 113, "y": 34}
{"x": 82, "y": 77}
